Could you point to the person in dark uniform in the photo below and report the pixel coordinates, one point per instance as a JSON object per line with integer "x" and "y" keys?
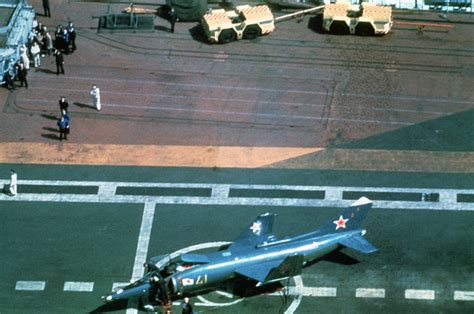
{"x": 173, "y": 18}
{"x": 63, "y": 104}
{"x": 72, "y": 35}
{"x": 187, "y": 308}
{"x": 22, "y": 73}
{"x": 47, "y": 12}
{"x": 66, "y": 41}
{"x": 9, "y": 80}
{"x": 64, "y": 128}
{"x": 59, "y": 62}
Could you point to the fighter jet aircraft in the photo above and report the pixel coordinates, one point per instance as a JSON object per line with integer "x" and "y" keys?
{"x": 256, "y": 257}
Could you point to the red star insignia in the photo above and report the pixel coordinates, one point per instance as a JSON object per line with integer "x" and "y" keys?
{"x": 341, "y": 222}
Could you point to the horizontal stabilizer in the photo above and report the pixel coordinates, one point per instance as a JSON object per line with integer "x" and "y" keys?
{"x": 194, "y": 258}
{"x": 291, "y": 266}
{"x": 358, "y": 243}
{"x": 259, "y": 272}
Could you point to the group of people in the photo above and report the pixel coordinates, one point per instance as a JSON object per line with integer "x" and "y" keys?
{"x": 40, "y": 43}
{"x": 65, "y": 38}
{"x": 64, "y": 122}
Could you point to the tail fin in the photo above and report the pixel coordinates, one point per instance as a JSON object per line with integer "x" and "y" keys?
{"x": 258, "y": 231}
{"x": 349, "y": 219}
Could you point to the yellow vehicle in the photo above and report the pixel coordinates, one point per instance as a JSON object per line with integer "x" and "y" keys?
{"x": 364, "y": 19}
{"x": 244, "y": 22}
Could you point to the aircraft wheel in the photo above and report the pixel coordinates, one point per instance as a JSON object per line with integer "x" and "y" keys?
{"x": 365, "y": 29}
{"x": 251, "y": 32}
{"x": 340, "y": 28}
{"x": 226, "y": 36}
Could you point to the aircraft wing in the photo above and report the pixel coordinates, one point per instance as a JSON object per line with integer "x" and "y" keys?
{"x": 273, "y": 270}
{"x": 291, "y": 266}
{"x": 358, "y": 243}
{"x": 259, "y": 272}
{"x": 257, "y": 232}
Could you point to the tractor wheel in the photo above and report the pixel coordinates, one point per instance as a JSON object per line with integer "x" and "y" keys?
{"x": 365, "y": 29}
{"x": 339, "y": 27}
{"x": 226, "y": 36}
{"x": 251, "y": 32}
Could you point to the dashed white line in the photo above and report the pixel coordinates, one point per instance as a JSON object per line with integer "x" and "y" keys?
{"x": 78, "y": 286}
{"x": 319, "y": 292}
{"x": 418, "y": 294}
{"x": 463, "y": 295}
{"x": 30, "y": 285}
{"x": 415, "y": 294}
{"x": 370, "y": 293}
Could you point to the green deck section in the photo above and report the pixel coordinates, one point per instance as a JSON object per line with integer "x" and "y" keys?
{"x": 449, "y": 133}
{"x": 127, "y": 190}
{"x": 58, "y": 242}
{"x": 58, "y": 189}
{"x": 95, "y": 242}
{"x": 389, "y": 196}
{"x": 275, "y": 193}
{"x": 240, "y": 176}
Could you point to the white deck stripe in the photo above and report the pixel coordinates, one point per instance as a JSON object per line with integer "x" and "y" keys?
{"x": 142, "y": 249}
{"x": 107, "y": 189}
{"x": 337, "y": 189}
{"x": 370, "y": 293}
{"x": 231, "y": 201}
{"x": 419, "y": 294}
{"x": 78, "y": 286}
{"x": 143, "y": 240}
{"x": 30, "y": 285}
{"x": 220, "y": 191}
{"x": 319, "y": 292}
{"x": 463, "y": 295}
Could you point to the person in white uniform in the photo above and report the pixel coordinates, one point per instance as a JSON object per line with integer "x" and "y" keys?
{"x": 13, "y": 182}
{"x": 95, "y": 93}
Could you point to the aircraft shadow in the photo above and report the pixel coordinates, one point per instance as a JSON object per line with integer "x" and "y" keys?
{"x": 337, "y": 257}
{"x": 111, "y": 307}
{"x": 249, "y": 290}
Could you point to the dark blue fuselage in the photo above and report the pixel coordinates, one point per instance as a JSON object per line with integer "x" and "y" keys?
{"x": 225, "y": 263}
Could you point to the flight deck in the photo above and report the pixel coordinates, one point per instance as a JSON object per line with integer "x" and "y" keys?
{"x": 196, "y": 140}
